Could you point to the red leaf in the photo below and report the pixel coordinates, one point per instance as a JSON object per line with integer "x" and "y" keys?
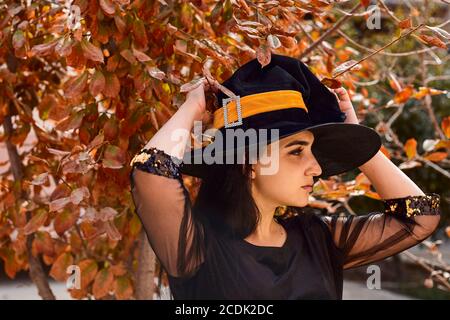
{"x": 64, "y": 221}
{"x": 97, "y": 84}
{"x": 331, "y": 83}
{"x": 58, "y": 204}
{"x": 108, "y": 6}
{"x": 141, "y": 56}
{"x": 405, "y": 24}
{"x": 114, "y": 157}
{"x": 112, "y": 85}
{"x": 91, "y": 52}
{"x": 127, "y": 55}
{"x": 264, "y": 55}
{"x": 140, "y": 34}
{"x": 75, "y": 86}
{"x": 44, "y": 49}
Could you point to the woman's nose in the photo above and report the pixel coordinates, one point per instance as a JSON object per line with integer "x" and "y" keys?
{"x": 314, "y": 168}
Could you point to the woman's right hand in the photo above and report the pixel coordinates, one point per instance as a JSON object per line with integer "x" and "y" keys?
{"x": 197, "y": 98}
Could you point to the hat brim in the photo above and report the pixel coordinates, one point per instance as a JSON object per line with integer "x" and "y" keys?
{"x": 338, "y": 147}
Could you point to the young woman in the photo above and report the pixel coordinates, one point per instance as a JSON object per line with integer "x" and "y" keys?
{"x": 230, "y": 244}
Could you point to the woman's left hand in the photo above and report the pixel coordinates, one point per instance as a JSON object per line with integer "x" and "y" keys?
{"x": 346, "y": 105}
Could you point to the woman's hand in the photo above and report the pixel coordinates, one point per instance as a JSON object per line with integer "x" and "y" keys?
{"x": 196, "y": 98}
{"x": 346, "y": 105}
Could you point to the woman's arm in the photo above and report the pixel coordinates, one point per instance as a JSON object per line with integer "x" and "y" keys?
{"x": 409, "y": 216}
{"x": 388, "y": 180}
{"x": 161, "y": 200}
{"x": 182, "y": 121}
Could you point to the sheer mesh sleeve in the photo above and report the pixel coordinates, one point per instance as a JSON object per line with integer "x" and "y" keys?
{"x": 163, "y": 206}
{"x": 404, "y": 223}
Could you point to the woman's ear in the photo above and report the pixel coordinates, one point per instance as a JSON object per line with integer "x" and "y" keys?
{"x": 253, "y": 173}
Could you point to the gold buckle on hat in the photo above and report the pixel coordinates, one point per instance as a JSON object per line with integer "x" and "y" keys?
{"x": 238, "y": 109}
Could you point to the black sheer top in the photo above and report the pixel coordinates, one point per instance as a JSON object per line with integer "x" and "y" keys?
{"x": 309, "y": 265}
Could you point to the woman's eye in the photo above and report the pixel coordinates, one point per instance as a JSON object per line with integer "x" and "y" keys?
{"x": 296, "y": 152}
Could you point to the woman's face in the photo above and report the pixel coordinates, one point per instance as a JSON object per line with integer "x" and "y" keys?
{"x": 293, "y": 167}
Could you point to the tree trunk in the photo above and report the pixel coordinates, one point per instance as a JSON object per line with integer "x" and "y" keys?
{"x": 145, "y": 274}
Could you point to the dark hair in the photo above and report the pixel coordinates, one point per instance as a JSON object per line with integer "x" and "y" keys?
{"x": 225, "y": 203}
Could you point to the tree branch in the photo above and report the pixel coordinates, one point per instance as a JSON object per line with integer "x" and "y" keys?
{"x": 327, "y": 33}
{"x": 36, "y": 272}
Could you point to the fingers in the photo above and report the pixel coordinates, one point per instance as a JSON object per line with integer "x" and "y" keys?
{"x": 342, "y": 94}
{"x": 209, "y": 86}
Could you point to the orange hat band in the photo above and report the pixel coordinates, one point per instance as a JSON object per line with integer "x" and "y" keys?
{"x": 258, "y": 103}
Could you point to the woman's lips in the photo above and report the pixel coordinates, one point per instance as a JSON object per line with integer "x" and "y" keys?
{"x": 308, "y": 188}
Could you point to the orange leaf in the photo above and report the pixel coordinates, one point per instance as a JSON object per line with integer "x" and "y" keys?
{"x": 88, "y": 268}
{"x": 436, "y": 156}
{"x": 103, "y": 283}
{"x": 10, "y": 263}
{"x": 36, "y": 221}
{"x": 424, "y": 91}
{"x": 403, "y": 95}
{"x": 288, "y": 42}
{"x": 433, "y": 41}
{"x": 64, "y": 221}
{"x": 123, "y": 288}
{"x": 118, "y": 269}
{"x": 365, "y": 3}
{"x": 405, "y": 24}
{"x": 411, "y": 148}
{"x": 445, "y": 124}
{"x": 43, "y": 243}
{"x": 71, "y": 122}
{"x": 59, "y": 267}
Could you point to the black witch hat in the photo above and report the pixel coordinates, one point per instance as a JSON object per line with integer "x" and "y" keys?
{"x": 287, "y": 96}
